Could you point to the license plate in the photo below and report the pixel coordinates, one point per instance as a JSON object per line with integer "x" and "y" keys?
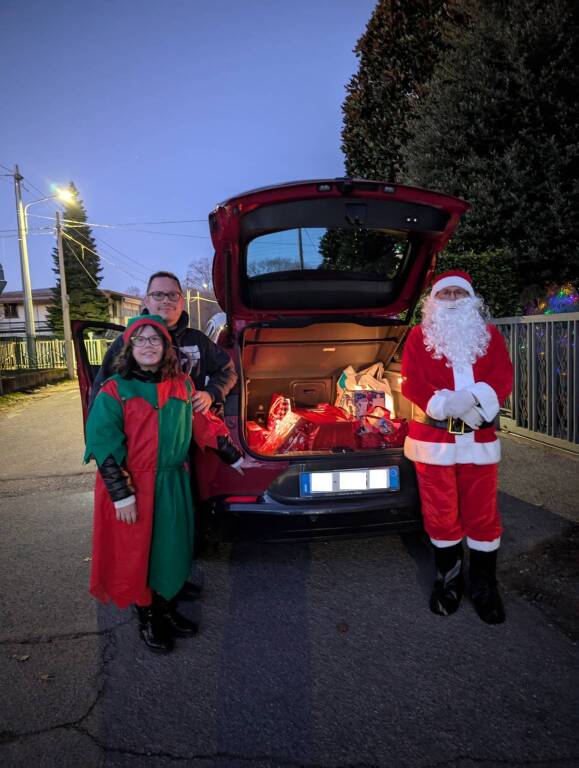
{"x": 340, "y": 481}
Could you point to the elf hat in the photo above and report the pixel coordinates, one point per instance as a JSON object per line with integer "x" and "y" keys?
{"x": 455, "y": 278}
{"x": 156, "y": 321}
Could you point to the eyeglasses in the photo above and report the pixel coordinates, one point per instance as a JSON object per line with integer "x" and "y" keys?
{"x": 160, "y": 295}
{"x": 142, "y": 341}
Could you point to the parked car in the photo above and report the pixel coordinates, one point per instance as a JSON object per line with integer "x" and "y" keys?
{"x": 215, "y": 325}
{"x": 313, "y": 277}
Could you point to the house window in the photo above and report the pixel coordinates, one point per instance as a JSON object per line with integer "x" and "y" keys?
{"x": 10, "y": 311}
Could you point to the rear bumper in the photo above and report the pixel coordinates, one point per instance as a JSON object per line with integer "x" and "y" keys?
{"x": 269, "y": 520}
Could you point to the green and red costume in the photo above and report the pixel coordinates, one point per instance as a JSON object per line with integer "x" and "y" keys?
{"x": 146, "y": 427}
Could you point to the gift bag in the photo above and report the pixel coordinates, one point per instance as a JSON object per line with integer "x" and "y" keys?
{"x": 371, "y": 379}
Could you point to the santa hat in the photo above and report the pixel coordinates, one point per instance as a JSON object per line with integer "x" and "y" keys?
{"x": 155, "y": 321}
{"x": 453, "y": 278}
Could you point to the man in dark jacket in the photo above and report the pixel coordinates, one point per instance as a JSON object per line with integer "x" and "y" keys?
{"x": 211, "y": 368}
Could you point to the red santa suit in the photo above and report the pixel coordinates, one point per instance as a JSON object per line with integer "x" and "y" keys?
{"x": 457, "y": 473}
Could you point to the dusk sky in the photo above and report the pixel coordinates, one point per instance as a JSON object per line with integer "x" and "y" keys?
{"x": 158, "y": 110}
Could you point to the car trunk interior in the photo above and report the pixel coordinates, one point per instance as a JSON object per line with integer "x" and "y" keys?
{"x": 316, "y": 355}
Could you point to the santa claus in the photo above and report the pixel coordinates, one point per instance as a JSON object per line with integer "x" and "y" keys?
{"x": 456, "y": 371}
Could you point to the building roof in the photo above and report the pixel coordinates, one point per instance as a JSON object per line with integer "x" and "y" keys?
{"x": 45, "y": 294}
{"x": 15, "y": 297}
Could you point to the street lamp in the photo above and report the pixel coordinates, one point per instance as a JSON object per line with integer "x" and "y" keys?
{"x": 21, "y": 212}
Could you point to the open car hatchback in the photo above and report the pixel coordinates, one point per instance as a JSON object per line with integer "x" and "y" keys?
{"x": 318, "y": 281}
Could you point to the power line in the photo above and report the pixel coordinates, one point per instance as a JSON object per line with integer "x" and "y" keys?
{"x": 76, "y": 257}
{"x": 119, "y": 252}
{"x": 121, "y": 227}
{"x": 151, "y": 223}
{"x": 99, "y": 255}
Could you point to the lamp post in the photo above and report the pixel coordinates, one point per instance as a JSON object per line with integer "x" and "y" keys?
{"x": 21, "y": 212}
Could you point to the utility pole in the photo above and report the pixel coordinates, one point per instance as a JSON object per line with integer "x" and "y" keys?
{"x": 300, "y": 248}
{"x": 198, "y": 311}
{"x": 188, "y": 300}
{"x": 68, "y": 349}
{"x": 26, "y": 288}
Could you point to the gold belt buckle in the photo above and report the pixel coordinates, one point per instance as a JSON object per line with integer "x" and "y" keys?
{"x": 453, "y": 427}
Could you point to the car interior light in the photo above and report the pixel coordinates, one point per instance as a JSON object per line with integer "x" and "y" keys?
{"x": 324, "y": 187}
{"x": 388, "y": 188}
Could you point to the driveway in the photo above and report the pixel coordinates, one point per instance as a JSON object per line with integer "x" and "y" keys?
{"x": 310, "y": 655}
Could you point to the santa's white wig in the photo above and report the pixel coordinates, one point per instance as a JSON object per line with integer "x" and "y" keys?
{"x": 456, "y": 330}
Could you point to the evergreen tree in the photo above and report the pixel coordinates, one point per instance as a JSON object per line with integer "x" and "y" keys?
{"x": 82, "y": 268}
{"x": 499, "y": 128}
{"x": 397, "y": 53}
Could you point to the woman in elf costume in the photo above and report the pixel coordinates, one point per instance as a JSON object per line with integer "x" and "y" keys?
{"x": 139, "y": 432}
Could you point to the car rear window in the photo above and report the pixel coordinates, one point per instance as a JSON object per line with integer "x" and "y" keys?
{"x": 352, "y": 254}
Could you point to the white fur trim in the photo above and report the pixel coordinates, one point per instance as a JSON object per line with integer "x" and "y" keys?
{"x": 463, "y": 376}
{"x": 444, "y": 544}
{"x": 483, "y": 546}
{"x": 457, "y": 282}
{"x": 124, "y": 502}
{"x": 464, "y": 451}
{"x": 487, "y": 398}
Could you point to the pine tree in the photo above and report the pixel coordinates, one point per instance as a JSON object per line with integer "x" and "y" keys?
{"x": 402, "y": 42}
{"x": 499, "y": 128}
{"x": 82, "y": 269}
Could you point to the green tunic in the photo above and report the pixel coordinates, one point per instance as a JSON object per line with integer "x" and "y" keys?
{"x": 147, "y": 427}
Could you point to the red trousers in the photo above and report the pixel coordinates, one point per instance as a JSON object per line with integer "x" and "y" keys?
{"x": 458, "y": 501}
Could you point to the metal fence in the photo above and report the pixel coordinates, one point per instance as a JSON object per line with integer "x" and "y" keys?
{"x": 49, "y": 353}
{"x": 544, "y": 403}
{"x": 545, "y": 400}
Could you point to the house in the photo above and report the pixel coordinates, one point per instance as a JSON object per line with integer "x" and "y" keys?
{"x": 122, "y": 306}
{"x": 12, "y": 321}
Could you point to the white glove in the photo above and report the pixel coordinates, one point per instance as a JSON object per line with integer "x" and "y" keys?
{"x": 473, "y": 418}
{"x": 458, "y": 403}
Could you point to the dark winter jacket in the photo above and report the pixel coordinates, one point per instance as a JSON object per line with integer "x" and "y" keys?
{"x": 211, "y": 368}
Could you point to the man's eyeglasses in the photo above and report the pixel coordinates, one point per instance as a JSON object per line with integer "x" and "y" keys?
{"x": 160, "y": 295}
{"x": 142, "y": 341}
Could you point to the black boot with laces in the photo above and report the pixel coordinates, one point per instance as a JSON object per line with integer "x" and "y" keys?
{"x": 179, "y": 625}
{"x": 154, "y": 630}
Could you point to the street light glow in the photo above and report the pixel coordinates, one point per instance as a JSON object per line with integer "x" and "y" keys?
{"x": 61, "y": 193}
{"x": 65, "y": 195}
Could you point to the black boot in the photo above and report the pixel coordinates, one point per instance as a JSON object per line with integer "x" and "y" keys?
{"x": 189, "y": 591}
{"x": 179, "y": 625}
{"x": 448, "y": 586}
{"x": 484, "y": 592}
{"x": 155, "y": 632}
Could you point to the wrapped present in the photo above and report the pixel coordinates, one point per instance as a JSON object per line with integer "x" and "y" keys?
{"x": 336, "y": 429}
{"x": 256, "y": 435}
{"x": 377, "y": 430}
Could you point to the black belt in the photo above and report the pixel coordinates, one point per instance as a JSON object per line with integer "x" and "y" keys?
{"x": 452, "y": 425}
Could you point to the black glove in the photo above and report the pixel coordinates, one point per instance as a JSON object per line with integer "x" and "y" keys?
{"x": 227, "y": 450}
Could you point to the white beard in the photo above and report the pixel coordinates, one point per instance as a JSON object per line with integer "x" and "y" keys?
{"x": 456, "y": 330}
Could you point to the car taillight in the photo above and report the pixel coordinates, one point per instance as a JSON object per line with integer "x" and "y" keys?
{"x": 241, "y": 499}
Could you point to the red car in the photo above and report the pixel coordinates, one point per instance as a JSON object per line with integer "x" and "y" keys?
{"x": 316, "y": 279}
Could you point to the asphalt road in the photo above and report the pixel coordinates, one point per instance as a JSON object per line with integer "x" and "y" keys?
{"x": 309, "y": 655}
